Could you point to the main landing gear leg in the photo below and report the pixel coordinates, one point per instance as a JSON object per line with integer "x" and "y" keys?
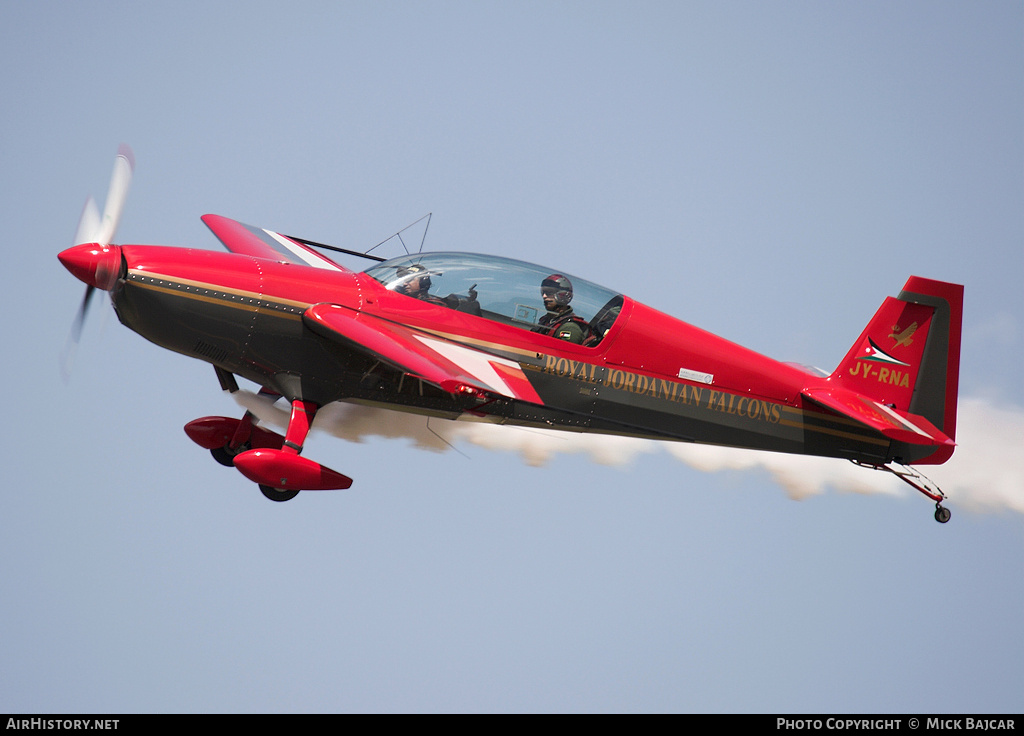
{"x": 241, "y": 438}
{"x": 303, "y": 413}
{"x": 239, "y": 442}
{"x": 226, "y": 437}
{"x": 279, "y": 470}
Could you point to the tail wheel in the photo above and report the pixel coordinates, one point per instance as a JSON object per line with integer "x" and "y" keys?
{"x": 942, "y": 514}
{"x": 277, "y": 494}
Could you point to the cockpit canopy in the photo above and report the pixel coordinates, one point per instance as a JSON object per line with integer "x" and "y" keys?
{"x": 499, "y": 289}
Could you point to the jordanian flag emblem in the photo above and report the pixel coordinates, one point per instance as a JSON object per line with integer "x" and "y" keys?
{"x": 875, "y": 354}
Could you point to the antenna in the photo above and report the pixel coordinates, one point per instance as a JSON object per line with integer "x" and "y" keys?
{"x": 398, "y": 235}
{"x": 335, "y": 248}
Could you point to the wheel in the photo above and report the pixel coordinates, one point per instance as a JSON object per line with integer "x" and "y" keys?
{"x": 223, "y": 456}
{"x": 226, "y": 456}
{"x": 276, "y": 494}
{"x": 942, "y": 514}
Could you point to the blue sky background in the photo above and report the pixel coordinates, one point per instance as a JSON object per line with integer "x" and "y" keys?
{"x": 768, "y": 171}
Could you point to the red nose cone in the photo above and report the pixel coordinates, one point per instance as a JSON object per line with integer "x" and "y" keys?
{"x": 95, "y": 264}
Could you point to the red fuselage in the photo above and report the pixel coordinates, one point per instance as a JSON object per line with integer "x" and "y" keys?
{"x": 652, "y": 375}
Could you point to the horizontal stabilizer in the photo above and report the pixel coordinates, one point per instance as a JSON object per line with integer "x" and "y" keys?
{"x": 238, "y": 237}
{"x": 453, "y": 367}
{"x": 894, "y": 424}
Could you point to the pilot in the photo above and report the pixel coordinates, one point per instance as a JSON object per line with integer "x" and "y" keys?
{"x": 416, "y": 283}
{"x": 559, "y": 321}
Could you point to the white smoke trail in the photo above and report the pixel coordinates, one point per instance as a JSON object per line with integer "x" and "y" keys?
{"x": 801, "y": 476}
{"x": 986, "y": 473}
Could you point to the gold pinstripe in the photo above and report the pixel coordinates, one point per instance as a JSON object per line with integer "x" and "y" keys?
{"x": 214, "y": 295}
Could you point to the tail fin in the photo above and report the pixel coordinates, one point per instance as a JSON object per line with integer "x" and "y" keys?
{"x": 908, "y": 357}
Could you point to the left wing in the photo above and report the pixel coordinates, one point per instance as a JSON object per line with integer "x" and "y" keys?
{"x": 451, "y": 366}
{"x": 238, "y": 237}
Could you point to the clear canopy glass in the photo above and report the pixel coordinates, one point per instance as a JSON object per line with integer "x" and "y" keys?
{"x": 500, "y": 289}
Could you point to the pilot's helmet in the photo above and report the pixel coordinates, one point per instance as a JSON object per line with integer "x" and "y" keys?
{"x": 408, "y": 273}
{"x": 558, "y": 286}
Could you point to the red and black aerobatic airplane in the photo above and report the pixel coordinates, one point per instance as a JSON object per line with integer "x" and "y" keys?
{"x": 459, "y": 335}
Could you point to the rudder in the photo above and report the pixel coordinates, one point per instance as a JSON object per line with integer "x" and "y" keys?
{"x": 908, "y": 357}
